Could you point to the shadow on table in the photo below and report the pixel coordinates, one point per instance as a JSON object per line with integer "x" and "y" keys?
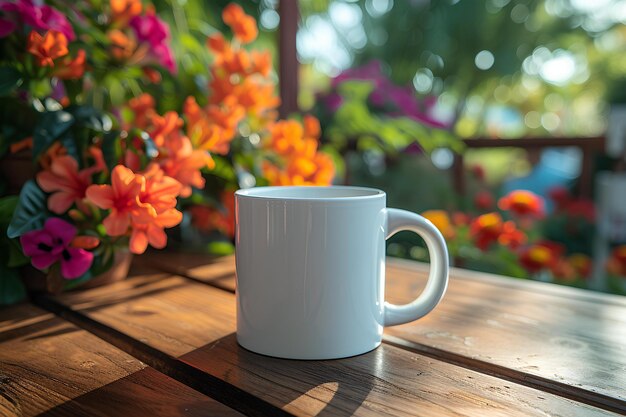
{"x": 320, "y": 388}
{"x": 143, "y": 393}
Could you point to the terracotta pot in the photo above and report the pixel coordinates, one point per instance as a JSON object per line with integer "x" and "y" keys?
{"x": 118, "y": 272}
{"x": 36, "y": 281}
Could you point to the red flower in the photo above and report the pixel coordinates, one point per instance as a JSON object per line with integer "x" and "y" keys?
{"x": 560, "y": 196}
{"x": 581, "y": 208}
{"x": 483, "y": 200}
{"x": 479, "y": 172}
{"x": 511, "y": 236}
{"x": 460, "y": 219}
{"x": 523, "y": 203}
{"x": 486, "y": 229}
{"x": 541, "y": 256}
{"x": 616, "y": 265}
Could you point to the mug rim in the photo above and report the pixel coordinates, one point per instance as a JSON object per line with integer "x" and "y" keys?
{"x": 265, "y": 193}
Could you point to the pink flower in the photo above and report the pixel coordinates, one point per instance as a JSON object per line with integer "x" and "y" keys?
{"x": 150, "y": 29}
{"x": 52, "y": 244}
{"x": 41, "y": 18}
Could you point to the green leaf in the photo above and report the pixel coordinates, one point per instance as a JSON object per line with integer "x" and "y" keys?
{"x": 111, "y": 148}
{"x": 31, "y": 211}
{"x": 10, "y": 79}
{"x": 220, "y": 248}
{"x": 51, "y": 126}
{"x": 7, "y": 207}
{"x": 12, "y": 289}
{"x": 16, "y": 256}
{"x": 90, "y": 117}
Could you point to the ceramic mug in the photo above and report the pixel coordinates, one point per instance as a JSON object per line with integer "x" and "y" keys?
{"x": 311, "y": 270}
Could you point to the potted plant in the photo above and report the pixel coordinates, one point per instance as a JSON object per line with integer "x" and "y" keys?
{"x": 111, "y": 171}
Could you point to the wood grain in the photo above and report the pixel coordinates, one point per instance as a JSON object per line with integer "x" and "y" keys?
{"x": 576, "y": 338}
{"x": 560, "y": 339}
{"x": 196, "y": 323}
{"x": 51, "y": 367}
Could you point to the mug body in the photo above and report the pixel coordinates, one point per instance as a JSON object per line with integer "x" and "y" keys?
{"x": 310, "y": 270}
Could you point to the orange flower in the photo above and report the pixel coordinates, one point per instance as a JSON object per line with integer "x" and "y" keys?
{"x": 217, "y": 43}
{"x": 26, "y": 143}
{"x": 616, "y": 265}
{"x": 152, "y": 75}
{"x": 54, "y": 151}
{"x": 47, "y": 48}
{"x": 243, "y": 25}
{"x": 181, "y": 162}
{"x": 287, "y": 138}
{"x": 312, "y": 128}
{"x": 122, "y": 46}
{"x": 486, "y": 229}
{"x": 441, "y": 220}
{"x": 122, "y": 199}
{"x": 511, "y": 236}
{"x": 297, "y": 147}
{"x": 152, "y": 232}
{"x": 124, "y": 10}
{"x": 523, "y": 203}
{"x": 208, "y": 219}
{"x": 71, "y": 69}
{"x": 161, "y": 191}
{"x": 261, "y": 62}
{"x": 142, "y": 108}
{"x": 65, "y": 182}
{"x": 581, "y": 264}
{"x": 163, "y": 126}
{"x": 86, "y": 242}
{"x": 319, "y": 170}
{"x": 213, "y": 128}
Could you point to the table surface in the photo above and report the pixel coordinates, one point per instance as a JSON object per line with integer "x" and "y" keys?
{"x": 162, "y": 343}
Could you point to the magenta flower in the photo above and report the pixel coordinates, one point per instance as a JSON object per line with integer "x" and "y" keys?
{"x": 52, "y": 244}
{"x": 40, "y": 18}
{"x": 392, "y": 100}
{"x": 150, "y": 29}
{"x": 6, "y": 27}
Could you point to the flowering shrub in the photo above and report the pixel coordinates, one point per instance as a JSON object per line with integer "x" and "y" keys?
{"x": 364, "y": 109}
{"x": 114, "y": 172}
{"x": 519, "y": 240}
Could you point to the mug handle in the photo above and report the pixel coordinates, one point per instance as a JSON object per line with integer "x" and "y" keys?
{"x": 398, "y": 220}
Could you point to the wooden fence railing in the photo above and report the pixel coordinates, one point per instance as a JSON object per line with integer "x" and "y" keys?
{"x": 590, "y": 147}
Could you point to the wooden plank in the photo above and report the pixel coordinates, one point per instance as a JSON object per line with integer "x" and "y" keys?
{"x": 50, "y": 366}
{"x": 216, "y": 271}
{"x": 570, "y": 341}
{"x": 591, "y": 143}
{"x": 526, "y": 331}
{"x": 196, "y": 323}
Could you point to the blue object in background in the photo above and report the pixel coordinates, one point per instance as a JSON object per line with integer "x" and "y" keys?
{"x": 557, "y": 167}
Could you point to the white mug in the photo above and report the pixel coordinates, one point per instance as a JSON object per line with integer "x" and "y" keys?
{"x": 311, "y": 270}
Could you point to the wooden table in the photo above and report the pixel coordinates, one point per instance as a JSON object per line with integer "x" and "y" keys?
{"x": 162, "y": 343}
